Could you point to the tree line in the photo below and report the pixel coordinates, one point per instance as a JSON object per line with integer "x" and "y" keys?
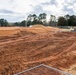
{"x": 66, "y": 20}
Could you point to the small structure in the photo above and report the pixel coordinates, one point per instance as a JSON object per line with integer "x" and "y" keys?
{"x": 42, "y": 70}
{"x": 71, "y": 28}
{"x": 74, "y": 29}
{"x": 30, "y": 25}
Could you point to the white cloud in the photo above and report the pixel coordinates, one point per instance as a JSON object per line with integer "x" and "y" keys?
{"x": 70, "y": 7}
{"x": 74, "y": 7}
{"x": 55, "y": 9}
{"x": 25, "y": 7}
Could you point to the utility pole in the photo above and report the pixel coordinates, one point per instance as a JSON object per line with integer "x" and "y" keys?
{"x": 26, "y": 21}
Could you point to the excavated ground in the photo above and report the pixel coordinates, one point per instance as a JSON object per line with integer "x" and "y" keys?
{"x": 29, "y": 47}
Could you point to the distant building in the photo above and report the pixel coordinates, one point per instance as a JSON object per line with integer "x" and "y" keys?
{"x": 43, "y": 70}
{"x": 30, "y": 26}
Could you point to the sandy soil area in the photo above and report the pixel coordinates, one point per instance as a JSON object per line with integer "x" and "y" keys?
{"x": 32, "y": 46}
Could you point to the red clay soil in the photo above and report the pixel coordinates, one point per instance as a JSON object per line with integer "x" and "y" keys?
{"x": 31, "y": 47}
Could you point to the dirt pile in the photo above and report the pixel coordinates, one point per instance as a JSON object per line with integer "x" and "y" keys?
{"x": 7, "y": 31}
{"x": 33, "y": 46}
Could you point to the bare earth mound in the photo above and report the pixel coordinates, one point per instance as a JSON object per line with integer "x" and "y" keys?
{"x": 6, "y": 31}
{"x": 36, "y": 45}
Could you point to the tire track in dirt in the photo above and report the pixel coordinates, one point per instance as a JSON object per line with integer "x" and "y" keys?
{"x": 16, "y": 40}
{"x": 51, "y": 58}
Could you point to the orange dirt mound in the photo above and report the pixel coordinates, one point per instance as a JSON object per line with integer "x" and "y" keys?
{"x": 6, "y": 31}
{"x": 38, "y": 25}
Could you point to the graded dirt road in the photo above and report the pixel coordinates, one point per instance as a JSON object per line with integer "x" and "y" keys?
{"x": 28, "y": 47}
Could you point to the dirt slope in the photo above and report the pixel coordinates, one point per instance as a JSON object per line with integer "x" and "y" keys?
{"x": 32, "y": 46}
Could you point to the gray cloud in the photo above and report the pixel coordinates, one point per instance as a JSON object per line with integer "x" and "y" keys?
{"x": 69, "y": 11}
{"x": 54, "y": 2}
{"x": 38, "y": 9}
{"x": 20, "y": 9}
{"x": 6, "y": 11}
{"x": 12, "y": 18}
{"x": 11, "y": 1}
{"x": 51, "y": 2}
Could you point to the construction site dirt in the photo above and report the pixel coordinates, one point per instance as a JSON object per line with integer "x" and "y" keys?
{"x": 31, "y": 46}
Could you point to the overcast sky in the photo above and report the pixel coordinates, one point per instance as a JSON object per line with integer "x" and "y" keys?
{"x": 18, "y": 10}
